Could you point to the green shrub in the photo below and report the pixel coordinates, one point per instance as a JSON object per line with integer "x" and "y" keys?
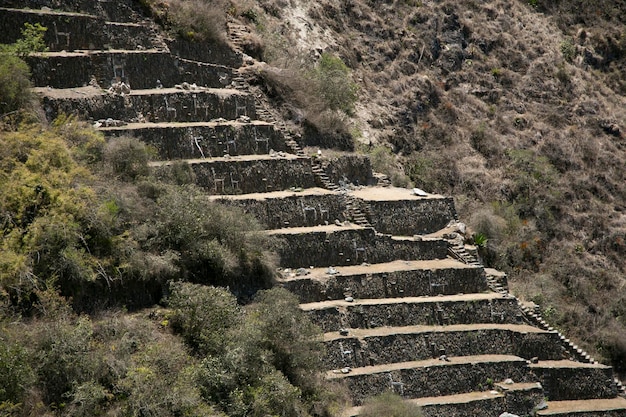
{"x": 480, "y": 240}
{"x": 215, "y": 244}
{"x": 568, "y": 50}
{"x": 127, "y": 158}
{"x": 14, "y": 72}
{"x": 285, "y": 330}
{"x": 14, "y": 84}
{"x": 389, "y": 404}
{"x": 203, "y": 315}
{"x": 16, "y": 373}
{"x": 335, "y": 84}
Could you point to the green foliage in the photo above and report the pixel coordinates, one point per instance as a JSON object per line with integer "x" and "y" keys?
{"x": 480, "y": 240}
{"x": 16, "y": 373}
{"x": 127, "y": 158}
{"x": 214, "y": 244}
{"x": 195, "y": 20}
{"x": 287, "y": 333}
{"x": 31, "y": 40}
{"x": 385, "y": 162}
{"x": 203, "y": 315}
{"x": 568, "y": 50}
{"x": 14, "y": 84}
{"x": 43, "y": 205}
{"x": 335, "y": 85}
{"x": 531, "y": 172}
{"x": 389, "y": 404}
{"x": 261, "y": 360}
{"x": 14, "y": 72}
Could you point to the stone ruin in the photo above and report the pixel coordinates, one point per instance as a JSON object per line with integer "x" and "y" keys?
{"x": 403, "y": 304}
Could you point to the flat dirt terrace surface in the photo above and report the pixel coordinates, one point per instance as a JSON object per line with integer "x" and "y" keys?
{"x": 320, "y": 274}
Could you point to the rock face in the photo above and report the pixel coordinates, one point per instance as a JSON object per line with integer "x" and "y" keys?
{"x": 404, "y": 306}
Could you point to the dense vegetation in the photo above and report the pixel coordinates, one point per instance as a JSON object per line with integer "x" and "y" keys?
{"x": 79, "y": 249}
{"x": 89, "y": 233}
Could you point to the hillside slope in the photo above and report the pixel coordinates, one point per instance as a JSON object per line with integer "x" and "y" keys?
{"x": 516, "y": 109}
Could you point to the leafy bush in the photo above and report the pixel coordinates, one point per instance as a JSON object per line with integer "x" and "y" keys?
{"x": 31, "y": 41}
{"x": 216, "y": 245}
{"x": 14, "y": 84}
{"x": 335, "y": 85}
{"x": 16, "y": 373}
{"x": 127, "y": 158}
{"x": 259, "y": 360}
{"x": 203, "y": 315}
{"x": 568, "y": 50}
{"x": 14, "y": 72}
{"x": 385, "y": 162}
{"x": 389, "y": 404}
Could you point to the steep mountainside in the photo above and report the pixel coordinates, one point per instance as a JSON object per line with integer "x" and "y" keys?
{"x": 516, "y": 109}
{"x": 220, "y": 144}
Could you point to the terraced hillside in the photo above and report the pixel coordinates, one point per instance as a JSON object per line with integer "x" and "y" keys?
{"x": 383, "y": 271}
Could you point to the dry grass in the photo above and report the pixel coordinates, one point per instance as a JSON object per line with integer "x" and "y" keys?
{"x": 197, "y": 20}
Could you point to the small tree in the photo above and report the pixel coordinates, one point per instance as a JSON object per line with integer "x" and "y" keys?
{"x": 335, "y": 84}
{"x": 14, "y": 72}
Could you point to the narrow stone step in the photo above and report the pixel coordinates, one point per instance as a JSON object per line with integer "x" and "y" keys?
{"x": 571, "y": 380}
{"x": 197, "y": 140}
{"x": 140, "y": 69}
{"x": 150, "y": 105}
{"x": 433, "y": 377}
{"x": 399, "y": 211}
{"x": 367, "y": 347}
{"x": 396, "y": 278}
{"x": 340, "y": 245}
{"x": 302, "y": 208}
{"x": 611, "y": 407}
{"x": 332, "y": 316}
{"x": 246, "y": 173}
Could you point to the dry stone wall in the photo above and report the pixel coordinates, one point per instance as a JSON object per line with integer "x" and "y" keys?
{"x": 407, "y": 283}
{"x": 575, "y": 383}
{"x": 140, "y": 69}
{"x": 293, "y": 211}
{"x": 230, "y": 176}
{"x": 196, "y": 141}
{"x": 437, "y": 378}
{"x": 154, "y": 106}
{"x": 372, "y": 315}
{"x": 404, "y": 347}
{"x": 410, "y": 217}
{"x": 352, "y": 246}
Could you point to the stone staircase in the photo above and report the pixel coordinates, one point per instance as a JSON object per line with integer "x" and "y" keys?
{"x": 403, "y": 304}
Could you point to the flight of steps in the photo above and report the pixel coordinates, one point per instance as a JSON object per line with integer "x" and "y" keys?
{"x": 382, "y": 271}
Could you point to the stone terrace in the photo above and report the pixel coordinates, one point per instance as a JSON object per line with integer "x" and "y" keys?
{"x": 383, "y": 271}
